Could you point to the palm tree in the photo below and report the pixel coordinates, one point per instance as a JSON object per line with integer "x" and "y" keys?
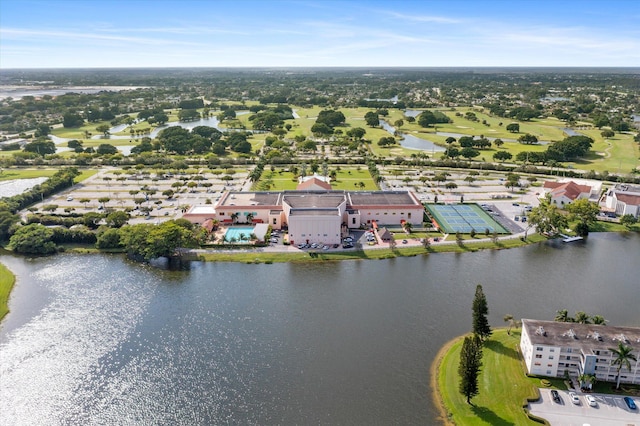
{"x": 508, "y": 319}
{"x": 623, "y": 358}
{"x": 250, "y": 218}
{"x": 586, "y": 381}
{"x": 598, "y": 320}
{"x": 408, "y": 226}
{"x": 563, "y": 316}
{"x": 234, "y": 217}
{"x": 582, "y": 318}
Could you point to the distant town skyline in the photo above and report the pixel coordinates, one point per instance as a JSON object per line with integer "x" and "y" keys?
{"x": 318, "y": 33}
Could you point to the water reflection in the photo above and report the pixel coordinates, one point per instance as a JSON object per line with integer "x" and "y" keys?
{"x": 101, "y": 340}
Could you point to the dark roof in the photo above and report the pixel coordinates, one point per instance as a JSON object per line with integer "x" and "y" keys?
{"x": 313, "y": 199}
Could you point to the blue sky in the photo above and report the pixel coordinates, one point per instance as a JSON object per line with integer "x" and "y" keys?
{"x": 291, "y": 33}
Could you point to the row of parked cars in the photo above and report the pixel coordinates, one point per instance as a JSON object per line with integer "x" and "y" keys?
{"x": 591, "y": 400}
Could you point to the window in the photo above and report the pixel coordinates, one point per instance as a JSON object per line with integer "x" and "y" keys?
{"x": 569, "y": 350}
{"x": 537, "y": 364}
{"x": 538, "y": 356}
{"x": 550, "y": 356}
{"x": 549, "y": 365}
{"x": 275, "y": 221}
{"x": 552, "y": 350}
{"x": 221, "y": 213}
{"x": 409, "y": 215}
{"x": 538, "y": 348}
{"x": 353, "y": 220}
{"x": 548, "y": 372}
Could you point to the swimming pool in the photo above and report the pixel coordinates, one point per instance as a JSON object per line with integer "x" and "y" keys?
{"x": 234, "y": 232}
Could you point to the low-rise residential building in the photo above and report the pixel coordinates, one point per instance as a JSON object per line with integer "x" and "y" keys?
{"x": 563, "y": 193}
{"x": 624, "y": 199}
{"x": 558, "y": 349}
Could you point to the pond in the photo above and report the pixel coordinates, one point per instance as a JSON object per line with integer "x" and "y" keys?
{"x": 96, "y": 339}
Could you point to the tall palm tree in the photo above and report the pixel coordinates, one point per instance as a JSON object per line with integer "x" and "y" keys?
{"x": 563, "y": 316}
{"x": 234, "y": 217}
{"x": 624, "y": 356}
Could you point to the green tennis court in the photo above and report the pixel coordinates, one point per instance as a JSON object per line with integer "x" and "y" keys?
{"x": 463, "y": 218}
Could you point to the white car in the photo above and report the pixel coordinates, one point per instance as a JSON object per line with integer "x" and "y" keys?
{"x": 574, "y": 398}
{"x": 591, "y": 400}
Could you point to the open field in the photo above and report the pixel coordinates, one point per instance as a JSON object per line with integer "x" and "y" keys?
{"x": 347, "y": 178}
{"x": 20, "y": 173}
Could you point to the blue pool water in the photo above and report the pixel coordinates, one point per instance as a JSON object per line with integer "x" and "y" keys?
{"x": 235, "y": 231}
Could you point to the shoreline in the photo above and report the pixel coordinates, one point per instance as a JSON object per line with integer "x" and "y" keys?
{"x": 434, "y": 371}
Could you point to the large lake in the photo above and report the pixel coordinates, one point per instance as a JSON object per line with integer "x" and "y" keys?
{"x": 96, "y": 339}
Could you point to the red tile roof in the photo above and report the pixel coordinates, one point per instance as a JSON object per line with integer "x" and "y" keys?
{"x": 570, "y": 189}
{"x": 630, "y": 200}
{"x": 313, "y": 183}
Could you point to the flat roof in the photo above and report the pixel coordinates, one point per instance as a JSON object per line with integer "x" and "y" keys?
{"x": 206, "y": 209}
{"x": 314, "y": 200}
{"x": 586, "y": 336}
{"x": 314, "y": 212}
{"x": 247, "y": 199}
{"x": 381, "y": 198}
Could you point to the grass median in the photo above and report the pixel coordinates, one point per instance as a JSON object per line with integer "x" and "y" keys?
{"x": 503, "y": 385}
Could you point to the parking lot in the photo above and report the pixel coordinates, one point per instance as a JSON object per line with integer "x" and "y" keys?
{"x": 610, "y": 410}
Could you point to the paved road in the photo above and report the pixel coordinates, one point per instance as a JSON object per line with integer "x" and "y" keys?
{"x": 611, "y": 411}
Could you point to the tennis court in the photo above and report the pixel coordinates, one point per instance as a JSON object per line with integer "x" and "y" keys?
{"x": 464, "y": 218}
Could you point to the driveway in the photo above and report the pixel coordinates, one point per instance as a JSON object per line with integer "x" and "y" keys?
{"x": 611, "y": 410}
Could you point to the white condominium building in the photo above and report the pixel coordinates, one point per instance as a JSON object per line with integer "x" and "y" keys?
{"x": 556, "y": 349}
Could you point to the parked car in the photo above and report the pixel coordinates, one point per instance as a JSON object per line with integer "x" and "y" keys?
{"x": 556, "y": 396}
{"x": 591, "y": 400}
{"x": 574, "y": 398}
{"x": 630, "y": 403}
{"x": 69, "y": 198}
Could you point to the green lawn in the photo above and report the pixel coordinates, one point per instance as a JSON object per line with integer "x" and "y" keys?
{"x": 10, "y": 174}
{"x": 503, "y": 384}
{"x": 7, "y": 280}
{"x": 347, "y": 178}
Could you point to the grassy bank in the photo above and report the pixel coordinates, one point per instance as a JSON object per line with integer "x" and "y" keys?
{"x": 504, "y": 387}
{"x": 307, "y": 256}
{"x": 7, "y": 279}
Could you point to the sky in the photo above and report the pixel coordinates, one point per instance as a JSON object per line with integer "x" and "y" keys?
{"x": 318, "y": 33}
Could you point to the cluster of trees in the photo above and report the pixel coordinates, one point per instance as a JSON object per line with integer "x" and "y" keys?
{"x": 568, "y": 149}
{"x": 471, "y": 352}
{"x": 548, "y": 218}
{"x": 327, "y": 120}
{"x": 580, "y": 317}
{"x": 9, "y": 206}
{"x": 199, "y": 140}
{"x": 270, "y": 118}
{"x": 154, "y": 116}
{"x": 144, "y": 241}
{"x": 429, "y": 118}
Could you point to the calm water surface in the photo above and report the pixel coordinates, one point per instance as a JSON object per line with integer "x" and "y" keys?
{"x": 99, "y": 340}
